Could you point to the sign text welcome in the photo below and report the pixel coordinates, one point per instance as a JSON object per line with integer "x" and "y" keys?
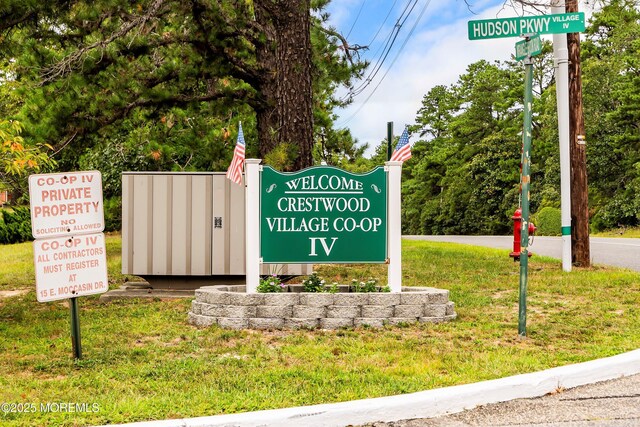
{"x": 323, "y": 214}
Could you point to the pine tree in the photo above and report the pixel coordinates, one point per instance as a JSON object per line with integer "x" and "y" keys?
{"x": 87, "y": 66}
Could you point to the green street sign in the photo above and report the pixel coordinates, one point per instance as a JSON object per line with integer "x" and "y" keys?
{"x": 531, "y": 47}
{"x": 516, "y": 27}
{"x": 323, "y": 215}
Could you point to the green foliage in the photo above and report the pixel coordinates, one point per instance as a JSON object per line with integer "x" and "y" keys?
{"x": 168, "y": 95}
{"x": 19, "y": 158}
{"x": 338, "y": 148}
{"x": 332, "y": 288}
{"x": 167, "y": 82}
{"x": 113, "y": 159}
{"x": 15, "y": 225}
{"x": 463, "y": 178}
{"x": 464, "y": 174}
{"x": 9, "y": 98}
{"x": 335, "y": 147}
{"x": 371, "y": 285}
{"x": 270, "y": 284}
{"x": 113, "y": 214}
{"x": 313, "y": 283}
{"x": 548, "y": 221}
{"x": 612, "y": 105}
{"x": 622, "y": 210}
{"x": 282, "y": 157}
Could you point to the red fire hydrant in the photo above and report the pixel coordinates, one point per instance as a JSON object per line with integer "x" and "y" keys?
{"x": 517, "y": 226}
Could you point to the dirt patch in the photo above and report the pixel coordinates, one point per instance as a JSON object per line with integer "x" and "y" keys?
{"x": 502, "y": 294}
{"x": 9, "y": 294}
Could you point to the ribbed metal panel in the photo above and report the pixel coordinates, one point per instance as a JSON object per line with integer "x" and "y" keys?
{"x": 185, "y": 224}
{"x": 161, "y": 224}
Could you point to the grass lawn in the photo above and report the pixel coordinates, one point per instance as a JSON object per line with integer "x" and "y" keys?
{"x": 142, "y": 361}
{"x": 627, "y": 232}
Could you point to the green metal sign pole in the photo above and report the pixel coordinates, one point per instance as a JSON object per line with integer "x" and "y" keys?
{"x": 75, "y": 328}
{"x": 532, "y": 46}
{"x": 389, "y": 139}
{"x": 525, "y": 181}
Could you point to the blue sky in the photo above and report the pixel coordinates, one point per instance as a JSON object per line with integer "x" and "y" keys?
{"x": 437, "y": 52}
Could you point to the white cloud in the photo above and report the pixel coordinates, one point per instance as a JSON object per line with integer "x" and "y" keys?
{"x": 431, "y": 58}
{"x": 343, "y": 12}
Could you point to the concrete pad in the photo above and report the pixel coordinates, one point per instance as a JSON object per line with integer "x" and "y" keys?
{"x": 146, "y": 294}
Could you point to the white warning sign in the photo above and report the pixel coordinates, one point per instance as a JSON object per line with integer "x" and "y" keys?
{"x": 68, "y": 203}
{"x": 69, "y": 267}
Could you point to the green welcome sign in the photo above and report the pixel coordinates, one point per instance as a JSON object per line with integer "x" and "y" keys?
{"x": 323, "y": 215}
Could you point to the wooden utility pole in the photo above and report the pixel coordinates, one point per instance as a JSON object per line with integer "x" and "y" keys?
{"x": 580, "y": 250}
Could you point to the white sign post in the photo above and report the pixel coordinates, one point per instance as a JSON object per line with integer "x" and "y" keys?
{"x": 561, "y": 61}
{"x": 67, "y": 220}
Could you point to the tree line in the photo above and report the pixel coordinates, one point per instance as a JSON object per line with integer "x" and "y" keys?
{"x": 464, "y": 175}
{"x": 115, "y": 85}
{"x": 163, "y": 84}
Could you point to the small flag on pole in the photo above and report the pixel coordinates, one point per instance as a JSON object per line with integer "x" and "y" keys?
{"x": 403, "y": 149}
{"x": 234, "y": 173}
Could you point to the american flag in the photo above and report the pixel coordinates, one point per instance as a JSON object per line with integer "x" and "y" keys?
{"x": 234, "y": 173}
{"x": 403, "y": 149}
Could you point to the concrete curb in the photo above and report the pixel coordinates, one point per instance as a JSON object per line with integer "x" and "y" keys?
{"x": 424, "y": 404}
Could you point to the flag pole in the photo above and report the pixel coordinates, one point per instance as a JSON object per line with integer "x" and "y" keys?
{"x": 389, "y": 139}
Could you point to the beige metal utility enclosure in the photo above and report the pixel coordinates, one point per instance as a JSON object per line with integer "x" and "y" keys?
{"x": 185, "y": 224}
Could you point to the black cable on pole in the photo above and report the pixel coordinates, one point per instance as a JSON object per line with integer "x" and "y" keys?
{"x": 357, "y": 17}
{"x": 424, "y": 8}
{"x": 403, "y": 45}
{"x": 402, "y": 19}
{"x": 383, "y": 22}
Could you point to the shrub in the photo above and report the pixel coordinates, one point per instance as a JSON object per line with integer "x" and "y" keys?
{"x": 271, "y": 284}
{"x": 15, "y": 226}
{"x": 370, "y": 285}
{"x": 313, "y": 283}
{"x": 548, "y": 222}
{"x": 623, "y": 210}
{"x": 113, "y": 214}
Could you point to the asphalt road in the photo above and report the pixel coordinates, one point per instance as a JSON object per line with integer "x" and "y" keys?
{"x": 609, "y": 251}
{"x": 614, "y": 403}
